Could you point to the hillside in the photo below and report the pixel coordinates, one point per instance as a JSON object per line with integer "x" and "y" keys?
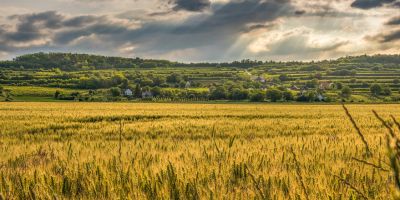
{"x": 100, "y": 78}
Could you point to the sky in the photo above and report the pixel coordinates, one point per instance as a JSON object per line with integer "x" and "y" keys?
{"x": 202, "y": 30}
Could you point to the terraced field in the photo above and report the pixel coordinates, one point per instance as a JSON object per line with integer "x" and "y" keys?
{"x": 192, "y": 151}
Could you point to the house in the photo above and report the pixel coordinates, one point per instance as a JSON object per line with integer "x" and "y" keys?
{"x": 187, "y": 84}
{"x": 128, "y": 92}
{"x": 320, "y": 97}
{"x": 293, "y": 87}
{"x": 147, "y": 94}
{"x": 326, "y": 85}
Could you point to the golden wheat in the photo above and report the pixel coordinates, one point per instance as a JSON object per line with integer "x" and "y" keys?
{"x": 192, "y": 151}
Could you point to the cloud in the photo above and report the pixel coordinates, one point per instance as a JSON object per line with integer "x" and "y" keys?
{"x": 391, "y": 36}
{"x": 216, "y": 32}
{"x": 191, "y": 5}
{"x": 368, "y": 4}
{"x": 298, "y": 43}
{"x": 201, "y": 30}
{"x": 385, "y": 37}
{"x": 394, "y": 21}
{"x": 51, "y": 30}
{"x": 30, "y": 26}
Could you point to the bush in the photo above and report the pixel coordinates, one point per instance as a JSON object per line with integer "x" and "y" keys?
{"x": 376, "y": 89}
{"x": 387, "y": 91}
{"x": 115, "y": 92}
{"x": 218, "y": 93}
{"x": 257, "y": 96}
{"x": 288, "y": 96}
{"x": 57, "y": 94}
{"x": 274, "y": 95}
{"x": 239, "y": 94}
{"x": 346, "y": 92}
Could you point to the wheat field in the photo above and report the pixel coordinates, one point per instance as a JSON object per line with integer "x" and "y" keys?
{"x": 192, "y": 151}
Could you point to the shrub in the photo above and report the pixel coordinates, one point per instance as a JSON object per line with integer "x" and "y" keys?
{"x": 274, "y": 95}
{"x": 376, "y": 89}
{"x": 346, "y": 92}
{"x": 257, "y": 96}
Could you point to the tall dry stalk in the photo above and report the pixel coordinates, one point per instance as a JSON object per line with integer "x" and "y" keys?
{"x": 393, "y": 145}
{"x": 351, "y": 186}
{"x": 298, "y": 173}
{"x": 368, "y": 152}
{"x": 120, "y": 141}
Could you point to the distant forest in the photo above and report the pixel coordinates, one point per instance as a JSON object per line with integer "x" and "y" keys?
{"x": 71, "y": 61}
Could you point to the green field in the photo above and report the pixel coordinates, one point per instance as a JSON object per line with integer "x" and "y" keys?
{"x": 362, "y": 79}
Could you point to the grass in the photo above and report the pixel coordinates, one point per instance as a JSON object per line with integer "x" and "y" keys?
{"x": 33, "y": 91}
{"x": 192, "y": 151}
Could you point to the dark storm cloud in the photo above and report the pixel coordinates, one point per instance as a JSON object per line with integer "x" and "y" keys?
{"x": 65, "y": 37}
{"x": 29, "y": 26}
{"x": 255, "y": 27}
{"x": 391, "y": 36}
{"x": 215, "y": 31}
{"x": 225, "y": 28}
{"x": 219, "y": 30}
{"x": 394, "y": 21}
{"x": 191, "y": 5}
{"x": 80, "y": 21}
{"x": 368, "y": 4}
{"x": 385, "y": 37}
{"x": 33, "y": 26}
{"x": 236, "y": 15}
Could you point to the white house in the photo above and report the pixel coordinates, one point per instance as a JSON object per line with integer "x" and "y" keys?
{"x": 320, "y": 97}
{"x": 128, "y": 92}
{"x": 187, "y": 84}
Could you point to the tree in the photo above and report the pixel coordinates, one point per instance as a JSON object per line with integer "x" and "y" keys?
{"x": 115, "y": 92}
{"x": 346, "y": 92}
{"x": 159, "y": 80}
{"x": 376, "y": 89}
{"x": 339, "y": 85}
{"x": 57, "y": 94}
{"x": 274, "y": 95}
{"x": 125, "y": 83}
{"x": 156, "y": 91}
{"x": 174, "y": 78}
{"x": 387, "y": 91}
{"x": 117, "y": 79}
{"x": 218, "y": 93}
{"x": 146, "y": 82}
{"x": 239, "y": 94}
{"x": 138, "y": 91}
{"x": 257, "y": 96}
{"x": 288, "y": 95}
{"x": 283, "y": 77}
{"x": 311, "y": 96}
{"x": 318, "y": 76}
{"x": 1, "y": 90}
{"x": 396, "y": 81}
{"x": 312, "y": 84}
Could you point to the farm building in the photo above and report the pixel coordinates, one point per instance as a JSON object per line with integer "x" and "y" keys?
{"x": 128, "y": 92}
{"x": 187, "y": 85}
